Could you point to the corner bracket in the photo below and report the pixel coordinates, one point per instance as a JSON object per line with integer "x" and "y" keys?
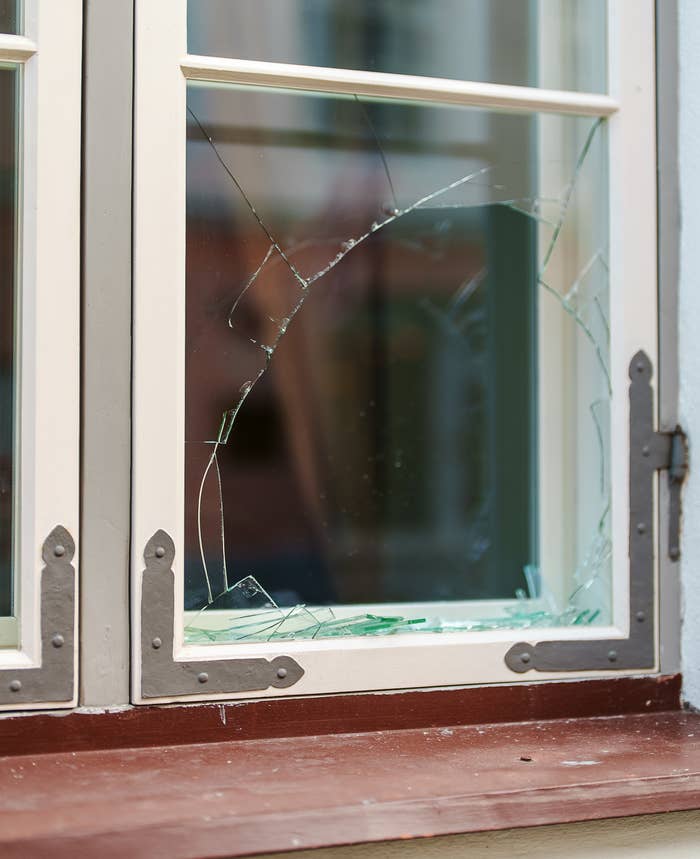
{"x": 650, "y": 451}
{"x": 54, "y": 680}
{"x": 161, "y": 675}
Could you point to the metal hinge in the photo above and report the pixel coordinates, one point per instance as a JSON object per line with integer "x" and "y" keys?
{"x": 677, "y": 466}
{"x": 54, "y": 680}
{"x": 161, "y": 674}
{"x": 650, "y": 451}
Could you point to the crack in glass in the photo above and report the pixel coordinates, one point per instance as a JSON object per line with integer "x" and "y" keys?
{"x": 245, "y": 610}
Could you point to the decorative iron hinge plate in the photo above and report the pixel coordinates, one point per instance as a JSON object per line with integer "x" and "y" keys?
{"x": 650, "y": 451}
{"x": 54, "y": 681}
{"x": 161, "y": 675}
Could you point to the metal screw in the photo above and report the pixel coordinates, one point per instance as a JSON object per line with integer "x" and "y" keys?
{"x": 59, "y": 551}
{"x": 281, "y": 673}
{"x": 58, "y": 640}
{"x": 674, "y": 553}
{"x": 525, "y": 658}
{"x": 160, "y": 552}
{"x": 203, "y": 677}
{"x": 156, "y": 643}
{"x": 15, "y": 685}
{"x": 612, "y": 656}
{"x": 645, "y": 450}
{"x": 641, "y": 528}
{"x": 640, "y": 366}
{"x": 641, "y": 616}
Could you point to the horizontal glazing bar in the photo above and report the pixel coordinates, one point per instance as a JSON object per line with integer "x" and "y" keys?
{"x": 410, "y": 87}
{"x": 16, "y": 49}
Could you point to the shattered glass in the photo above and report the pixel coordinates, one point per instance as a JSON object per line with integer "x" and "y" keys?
{"x": 397, "y": 373}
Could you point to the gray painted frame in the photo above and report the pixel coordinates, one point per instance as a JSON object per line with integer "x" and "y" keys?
{"x": 668, "y": 213}
{"x": 108, "y": 59}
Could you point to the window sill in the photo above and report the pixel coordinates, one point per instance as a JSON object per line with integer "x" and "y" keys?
{"x": 238, "y": 798}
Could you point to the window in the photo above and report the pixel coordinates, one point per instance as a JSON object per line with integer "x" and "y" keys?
{"x": 387, "y": 293}
{"x": 40, "y": 49}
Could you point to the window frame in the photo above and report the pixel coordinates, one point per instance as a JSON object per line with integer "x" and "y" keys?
{"x": 48, "y": 333}
{"x": 162, "y": 68}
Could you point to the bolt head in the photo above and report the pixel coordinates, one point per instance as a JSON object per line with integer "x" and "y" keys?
{"x": 15, "y": 685}
{"x": 641, "y": 528}
{"x": 203, "y": 677}
{"x": 612, "y": 656}
{"x": 281, "y": 673}
{"x": 156, "y": 643}
{"x": 59, "y": 551}
{"x": 58, "y": 640}
{"x": 525, "y": 658}
{"x": 160, "y": 552}
{"x": 641, "y": 616}
{"x": 645, "y": 450}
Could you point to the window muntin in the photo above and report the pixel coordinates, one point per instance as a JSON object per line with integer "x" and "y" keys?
{"x": 160, "y": 331}
{"x": 9, "y": 264}
{"x": 499, "y": 41}
{"x": 374, "y": 292}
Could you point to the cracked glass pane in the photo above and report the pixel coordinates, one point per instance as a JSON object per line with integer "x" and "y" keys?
{"x": 397, "y": 367}
{"x": 9, "y": 123}
{"x": 557, "y": 44}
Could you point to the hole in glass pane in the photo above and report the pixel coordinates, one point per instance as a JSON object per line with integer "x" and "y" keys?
{"x": 398, "y": 388}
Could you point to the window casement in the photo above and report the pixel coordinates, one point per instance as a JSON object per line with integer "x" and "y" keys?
{"x": 395, "y": 334}
{"x": 40, "y": 87}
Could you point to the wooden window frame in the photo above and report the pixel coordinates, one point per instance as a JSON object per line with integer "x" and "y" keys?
{"x": 49, "y": 54}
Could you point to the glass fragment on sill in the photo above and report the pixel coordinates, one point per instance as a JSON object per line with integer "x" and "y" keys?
{"x": 368, "y": 300}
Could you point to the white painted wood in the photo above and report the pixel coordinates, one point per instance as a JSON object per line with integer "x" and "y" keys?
{"x": 49, "y": 304}
{"x": 159, "y": 292}
{"x": 403, "y": 661}
{"x": 633, "y": 262}
{"x": 16, "y": 49}
{"x": 408, "y": 87}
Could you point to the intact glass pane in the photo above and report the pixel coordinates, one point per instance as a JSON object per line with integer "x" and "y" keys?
{"x": 558, "y": 44}
{"x": 9, "y": 92}
{"x": 10, "y": 16}
{"x": 392, "y": 310}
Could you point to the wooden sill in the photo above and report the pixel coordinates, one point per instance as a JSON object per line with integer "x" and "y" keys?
{"x": 239, "y": 797}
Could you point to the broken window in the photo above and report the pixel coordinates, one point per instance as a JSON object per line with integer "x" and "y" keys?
{"x": 397, "y": 367}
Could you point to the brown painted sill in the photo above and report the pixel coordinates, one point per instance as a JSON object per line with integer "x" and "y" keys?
{"x": 239, "y": 797}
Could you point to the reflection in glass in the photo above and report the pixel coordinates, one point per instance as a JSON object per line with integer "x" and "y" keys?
{"x": 381, "y": 297}
{"x": 10, "y": 16}
{"x": 558, "y": 44}
{"x": 9, "y": 91}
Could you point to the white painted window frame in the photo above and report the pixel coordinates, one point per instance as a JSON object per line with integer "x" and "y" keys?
{"x": 49, "y": 54}
{"x": 162, "y": 69}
